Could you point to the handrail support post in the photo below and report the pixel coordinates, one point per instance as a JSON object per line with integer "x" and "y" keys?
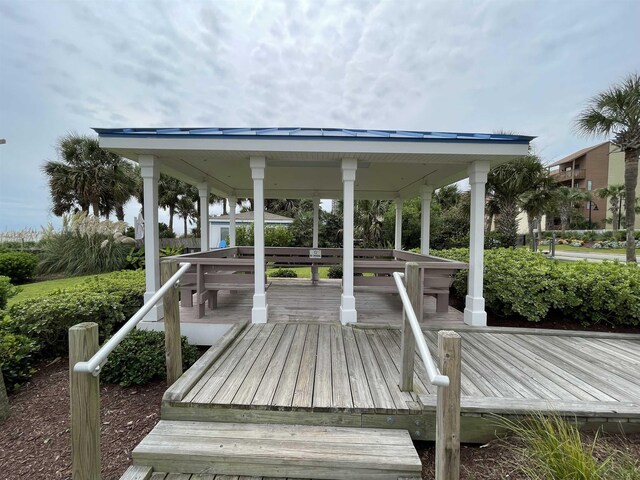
{"x": 448, "y": 407}
{"x": 413, "y": 281}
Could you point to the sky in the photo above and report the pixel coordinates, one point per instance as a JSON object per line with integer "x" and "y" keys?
{"x": 464, "y": 66}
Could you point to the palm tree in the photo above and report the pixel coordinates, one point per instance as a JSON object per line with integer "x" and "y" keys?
{"x": 88, "y": 177}
{"x": 506, "y": 184}
{"x": 566, "y": 200}
{"x": 447, "y": 196}
{"x": 537, "y": 202}
{"x": 615, "y": 194}
{"x": 170, "y": 191}
{"x": 185, "y": 208}
{"x": 369, "y": 220}
{"x": 616, "y": 112}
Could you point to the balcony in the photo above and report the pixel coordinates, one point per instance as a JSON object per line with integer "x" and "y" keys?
{"x": 562, "y": 176}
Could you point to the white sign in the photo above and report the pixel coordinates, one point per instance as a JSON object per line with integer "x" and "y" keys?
{"x": 315, "y": 253}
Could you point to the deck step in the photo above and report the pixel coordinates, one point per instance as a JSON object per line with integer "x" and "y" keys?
{"x": 281, "y": 451}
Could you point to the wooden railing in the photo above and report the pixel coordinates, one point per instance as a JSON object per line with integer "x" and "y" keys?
{"x": 86, "y": 361}
{"x": 446, "y": 375}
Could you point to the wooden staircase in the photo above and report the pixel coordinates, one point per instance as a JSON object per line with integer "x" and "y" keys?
{"x": 207, "y": 450}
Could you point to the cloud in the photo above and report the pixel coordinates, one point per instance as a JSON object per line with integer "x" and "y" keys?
{"x": 456, "y": 65}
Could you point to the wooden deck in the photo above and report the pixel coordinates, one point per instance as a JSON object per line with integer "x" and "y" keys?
{"x": 298, "y": 300}
{"x": 327, "y": 374}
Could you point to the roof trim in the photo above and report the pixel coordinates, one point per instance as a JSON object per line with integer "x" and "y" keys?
{"x": 300, "y": 133}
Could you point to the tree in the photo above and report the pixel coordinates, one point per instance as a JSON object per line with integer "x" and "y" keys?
{"x": 447, "y": 196}
{"x": 368, "y": 222}
{"x": 615, "y": 113}
{"x": 170, "y": 190}
{"x": 87, "y": 177}
{"x": 185, "y": 208}
{"x": 505, "y": 185}
{"x": 537, "y": 202}
{"x": 615, "y": 194}
{"x": 566, "y": 200}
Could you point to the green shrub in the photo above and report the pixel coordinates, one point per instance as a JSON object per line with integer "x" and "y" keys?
{"x": 274, "y": 236}
{"x": 18, "y": 266}
{"x": 108, "y": 300}
{"x": 125, "y": 287}
{"x": 17, "y": 354}
{"x": 47, "y": 319}
{"x": 6, "y": 291}
{"x": 335, "y": 272}
{"x": 283, "y": 273}
{"x": 140, "y": 358}
{"x": 523, "y": 283}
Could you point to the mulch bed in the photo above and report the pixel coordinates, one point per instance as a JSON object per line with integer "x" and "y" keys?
{"x": 35, "y": 439}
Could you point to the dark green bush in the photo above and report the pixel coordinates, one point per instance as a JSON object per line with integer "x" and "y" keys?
{"x": 335, "y": 272}
{"x": 108, "y": 300}
{"x": 140, "y": 358}
{"x": 526, "y": 284}
{"x": 274, "y": 236}
{"x": 18, "y": 266}
{"x": 125, "y": 288}
{"x": 47, "y": 319}
{"x": 284, "y": 273}
{"x": 17, "y": 356}
{"x": 6, "y": 291}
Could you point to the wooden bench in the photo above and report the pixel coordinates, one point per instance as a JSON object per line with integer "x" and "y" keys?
{"x": 436, "y": 283}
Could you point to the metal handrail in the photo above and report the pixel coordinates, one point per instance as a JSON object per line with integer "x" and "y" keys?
{"x": 95, "y": 363}
{"x": 435, "y": 377}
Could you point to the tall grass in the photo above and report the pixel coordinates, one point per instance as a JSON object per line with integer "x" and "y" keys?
{"x": 552, "y": 448}
{"x": 85, "y": 245}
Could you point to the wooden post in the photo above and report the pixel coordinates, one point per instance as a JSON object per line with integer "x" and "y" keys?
{"x": 448, "y": 408}
{"x": 172, "y": 340}
{"x": 4, "y": 400}
{"x": 413, "y": 280}
{"x": 84, "y": 390}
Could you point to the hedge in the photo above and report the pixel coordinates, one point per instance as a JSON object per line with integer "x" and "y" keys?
{"x": 140, "y": 358}
{"x": 17, "y": 358}
{"x": 526, "y": 284}
{"x": 18, "y": 266}
{"x": 108, "y": 300}
{"x": 6, "y": 291}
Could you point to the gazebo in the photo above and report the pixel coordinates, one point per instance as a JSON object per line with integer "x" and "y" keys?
{"x": 317, "y": 163}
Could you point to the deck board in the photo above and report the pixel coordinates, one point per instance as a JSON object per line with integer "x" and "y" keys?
{"x": 349, "y": 375}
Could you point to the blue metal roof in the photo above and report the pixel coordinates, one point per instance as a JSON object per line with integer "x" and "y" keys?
{"x": 328, "y": 133}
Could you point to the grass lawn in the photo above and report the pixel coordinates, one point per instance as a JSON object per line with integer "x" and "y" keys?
{"x": 569, "y": 248}
{"x": 304, "y": 272}
{"x": 37, "y": 289}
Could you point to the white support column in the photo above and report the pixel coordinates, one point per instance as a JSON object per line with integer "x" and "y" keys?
{"x": 474, "y": 313}
{"x": 398, "y": 242}
{"x": 259, "y": 311}
{"x": 348, "y": 312}
{"x": 316, "y": 229}
{"x": 425, "y": 218}
{"x": 232, "y": 221}
{"x": 203, "y": 191}
{"x": 150, "y": 175}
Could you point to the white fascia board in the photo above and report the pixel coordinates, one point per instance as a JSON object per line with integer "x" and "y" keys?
{"x": 346, "y": 147}
{"x": 332, "y": 194}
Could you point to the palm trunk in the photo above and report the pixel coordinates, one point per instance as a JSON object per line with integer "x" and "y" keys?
{"x": 531, "y": 222}
{"x": 96, "y": 209}
{"x": 615, "y": 221}
{"x": 224, "y": 206}
{"x": 172, "y": 212}
{"x": 488, "y": 223}
{"x": 507, "y": 223}
{"x": 630, "y": 184}
{"x": 251, "y": 203}
{"x": 120, "y": 212}
{"x": 185, "y": 227}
